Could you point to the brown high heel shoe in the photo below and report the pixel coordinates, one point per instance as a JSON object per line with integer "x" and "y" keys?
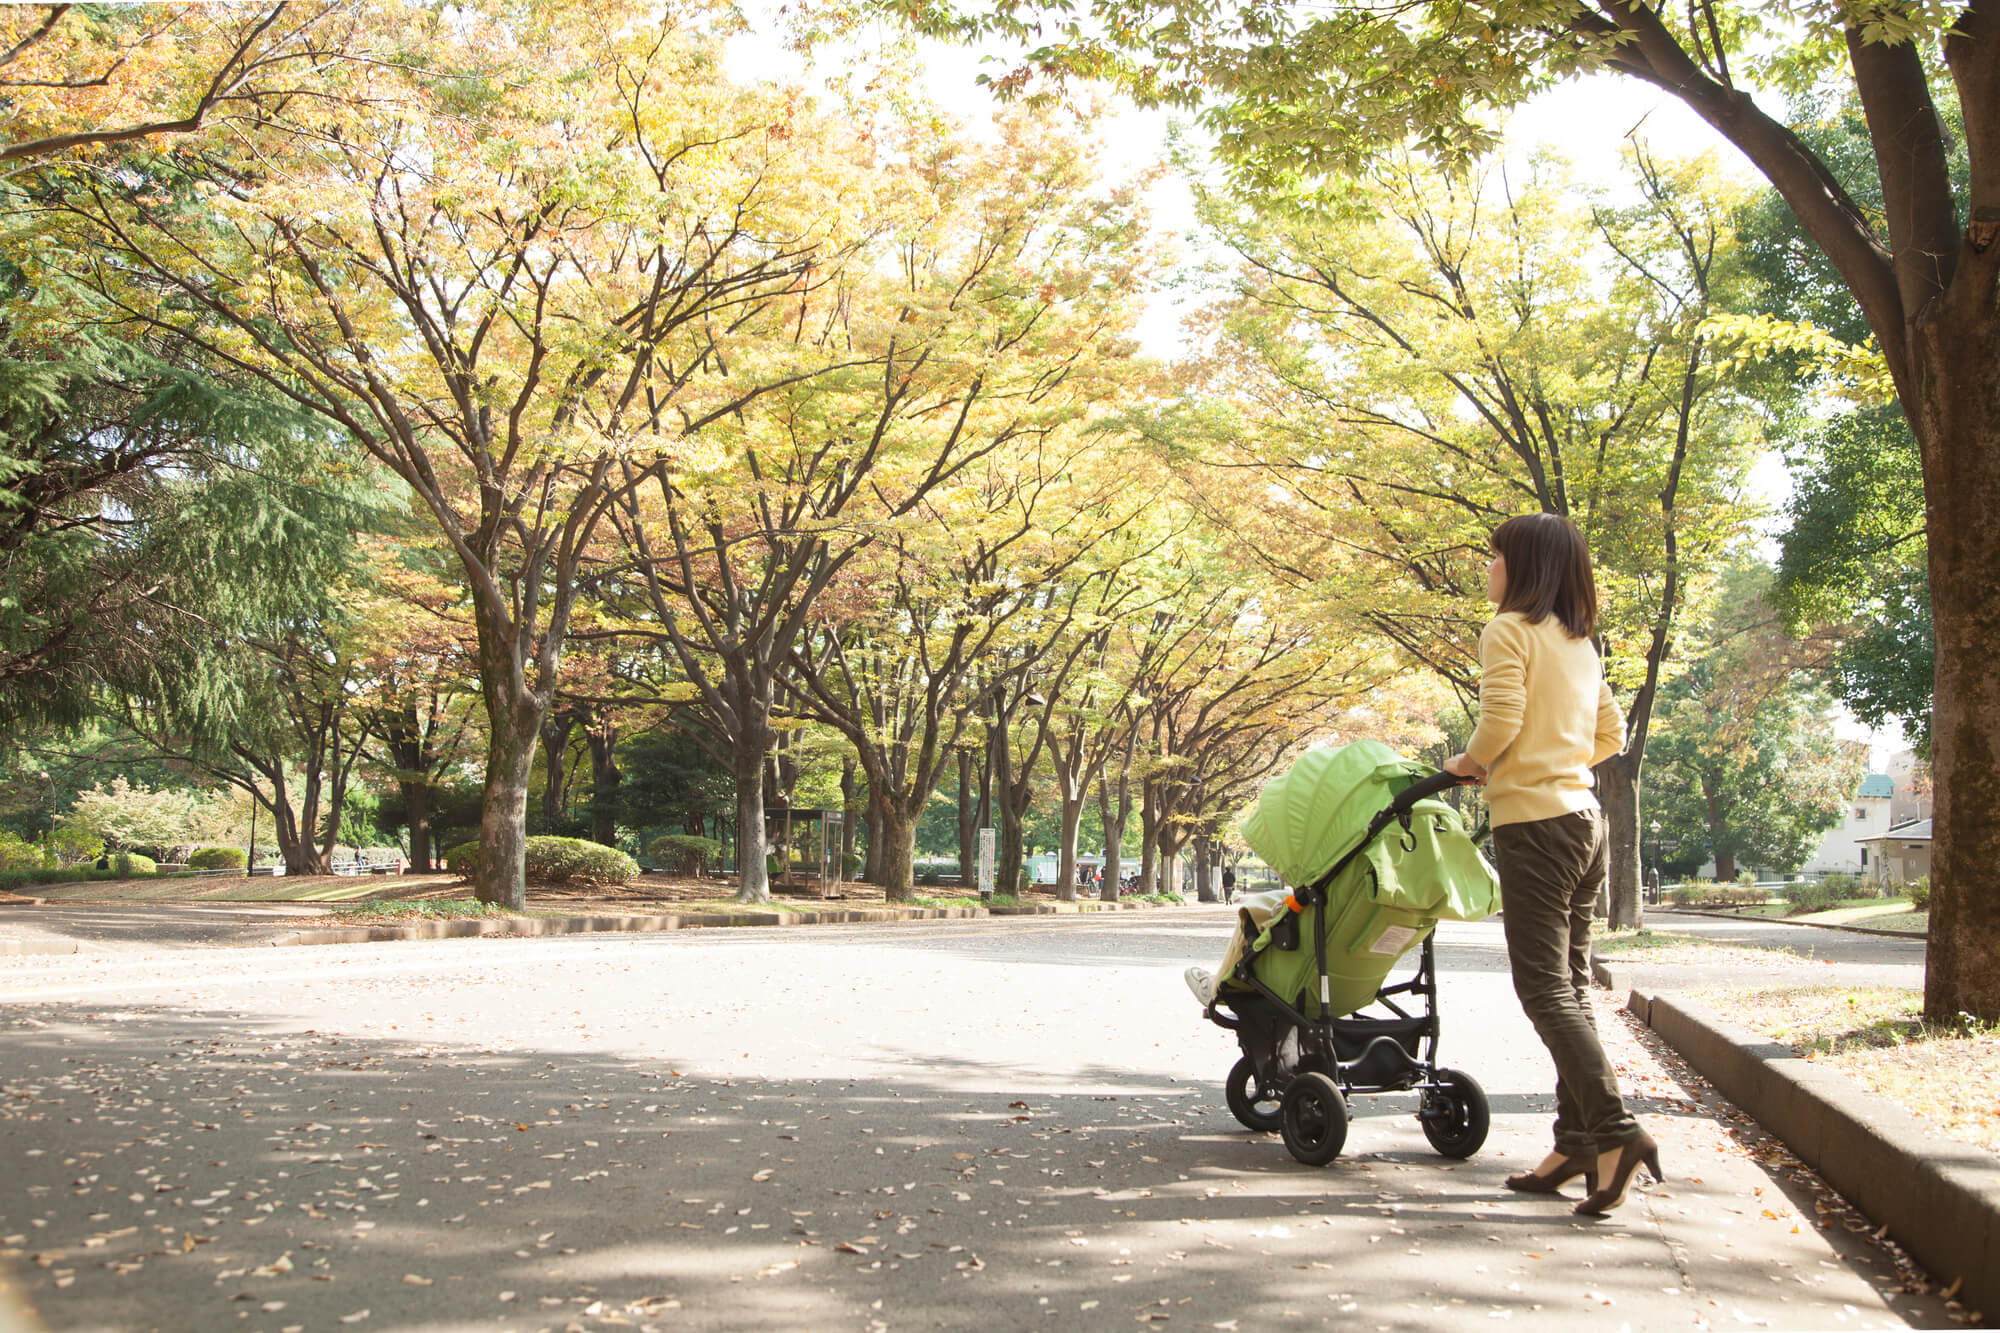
{"x": 1569, "y": 1168}
{"x": 1641, "y": 1149}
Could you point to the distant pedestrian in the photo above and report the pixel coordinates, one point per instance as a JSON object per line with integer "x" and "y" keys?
{"x": 1228, "y": 884}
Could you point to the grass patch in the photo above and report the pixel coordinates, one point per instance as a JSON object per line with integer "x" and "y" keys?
{"x": 1647, "y": 944}
{"x": 1945, "y": 1074}
{"x": 420, "y": 909}
{"x": 1672, "y": 949}
{"x": 1918, "y": 922}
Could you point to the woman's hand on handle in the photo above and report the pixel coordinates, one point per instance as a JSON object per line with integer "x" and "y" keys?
{"x": 1459, "y": 765}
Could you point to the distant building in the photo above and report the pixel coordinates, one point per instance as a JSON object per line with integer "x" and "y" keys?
{"x": 1844, "y": 849}
{"x": 1899, "y": 854}
{"x": 1912, "y": 800}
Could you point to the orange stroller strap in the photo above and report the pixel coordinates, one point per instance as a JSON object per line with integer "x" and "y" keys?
{"x": 1291, "y": 901}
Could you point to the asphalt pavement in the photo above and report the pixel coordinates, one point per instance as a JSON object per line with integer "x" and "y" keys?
{"x": 990, "y": 1124}
{"x": 1796, "y": 955}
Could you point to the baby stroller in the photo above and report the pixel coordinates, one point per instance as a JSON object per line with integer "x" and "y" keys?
{"x": 1303, "y": 964}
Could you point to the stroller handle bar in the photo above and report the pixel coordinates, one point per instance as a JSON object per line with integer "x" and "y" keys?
{"x": 1429, "y": 786}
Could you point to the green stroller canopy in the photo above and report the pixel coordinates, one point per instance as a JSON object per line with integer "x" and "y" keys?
{"x": 1316, "y": 811}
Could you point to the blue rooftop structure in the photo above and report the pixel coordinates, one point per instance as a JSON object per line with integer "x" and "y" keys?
{"x": 1877, "y": 784}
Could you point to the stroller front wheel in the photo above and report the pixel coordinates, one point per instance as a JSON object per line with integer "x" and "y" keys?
{"x": 1249, "y": 1102}
{"x": 1314, "y": 1119}
{"x": 1455, "y": 1116}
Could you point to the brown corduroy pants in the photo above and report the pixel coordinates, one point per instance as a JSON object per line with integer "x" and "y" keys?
{"x": 1551, "y": 871}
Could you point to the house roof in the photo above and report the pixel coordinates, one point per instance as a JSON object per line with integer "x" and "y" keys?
{"x": 1877, "y": 784}
{"x": 1917, "y": 830}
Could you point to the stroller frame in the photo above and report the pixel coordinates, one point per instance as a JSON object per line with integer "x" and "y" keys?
{"x": 1339, "y": 1057}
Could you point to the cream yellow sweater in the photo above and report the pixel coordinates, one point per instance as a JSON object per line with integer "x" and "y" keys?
{"x": 1546, "y": 717}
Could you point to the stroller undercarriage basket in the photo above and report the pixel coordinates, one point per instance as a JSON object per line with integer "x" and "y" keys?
{"x": 1302, "y": 1059}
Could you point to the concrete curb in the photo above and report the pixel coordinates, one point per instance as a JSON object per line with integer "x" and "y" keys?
{"x": 1785, "y": 921}
{"x": 1940, "y": 1199}
{"x": 650, "y": 922}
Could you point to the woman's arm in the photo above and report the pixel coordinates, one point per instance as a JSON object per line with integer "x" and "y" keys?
{"x": 1503, "y": 689}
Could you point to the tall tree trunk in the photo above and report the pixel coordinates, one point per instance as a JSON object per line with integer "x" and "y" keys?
{"x": 417, "y": 809}
{"x": 968, "y": 815}
{"x": 1010, "y": 792}
{"x": 1718, "y": 831}
{"x": 513, "y": 733}
{"x": 1959, "y": 428}
{"x": 554, "y": 734}
{"x": 896, "y": 831}
{"x": 409, "y": 748}
{"x": 850, "y": 813}
{"x": 1618, "y": 793}
{"x": 871, "y": 843}
{"x": 604, "y": 780}
{"x": 1203, "y": 860}
{"x": 285, "y": 821}
{"x": 753, "y": 880}
{"x": 1113, "y": 814}
{"x": 1072, "y": 818}
{"x": 343, "y": 768}
{"x": 1149, "y": 834}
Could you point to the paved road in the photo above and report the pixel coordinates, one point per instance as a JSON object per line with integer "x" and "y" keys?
{"x": 995, "y": 1124}
{"x": 1836, "y": 957}
{"x": 148, "y": 927}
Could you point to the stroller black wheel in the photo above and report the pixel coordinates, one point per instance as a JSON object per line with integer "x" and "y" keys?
{"x": 1454, "y": 1115}
{"x": 1257, "y": 1108}
{"x": 1314, "y": 1119}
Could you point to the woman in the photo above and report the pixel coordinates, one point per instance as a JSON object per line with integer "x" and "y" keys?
{"x": 1546, "y": 718}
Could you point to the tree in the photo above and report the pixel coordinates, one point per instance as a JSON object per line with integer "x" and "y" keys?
{"x": 993, "y": 318}
{"x": 1432, "y": 355}
{"x": 78, "y": 78}
{"x": 1853, "y": 554}
{"x": 296, "y": 747}
{"x": 1296, "y": 92}
{"x": 415, "y": 649}
{"x": 130, "y": 472}
{"x": 130, "y": 816}
{"x": 1747, "y": 768}
{"x": 502, "y": 297}
{"x": 1852, "y": 551}
{"x": 898, "y": 672}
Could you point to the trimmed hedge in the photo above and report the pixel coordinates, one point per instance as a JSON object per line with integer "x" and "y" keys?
{"x": 11, "y": 880}
{"x": 556, "y": 861}
{"x": 684, "y": 853}
{"x": 1808, "y": 895}
{"x": 1718, "y": 895}
{"x": 1919, "y": 892}
{"x": 128, "y": 865}
{"x": 216, "y": 858}
{"x": 462, "y": 859}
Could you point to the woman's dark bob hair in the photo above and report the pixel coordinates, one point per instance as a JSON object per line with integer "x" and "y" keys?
{"x": 1548, "y": 571}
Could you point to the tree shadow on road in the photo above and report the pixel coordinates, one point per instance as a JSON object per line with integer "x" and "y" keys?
{"x": 202, "y": 1171}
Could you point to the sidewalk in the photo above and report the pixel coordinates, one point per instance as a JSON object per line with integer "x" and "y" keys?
{"x": 1939, "y": 1199}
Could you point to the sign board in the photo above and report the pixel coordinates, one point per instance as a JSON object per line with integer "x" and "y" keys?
{"x": 986, "y": 863}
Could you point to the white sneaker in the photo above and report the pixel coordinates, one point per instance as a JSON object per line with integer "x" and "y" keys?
{"x": 1202, "y": 982}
